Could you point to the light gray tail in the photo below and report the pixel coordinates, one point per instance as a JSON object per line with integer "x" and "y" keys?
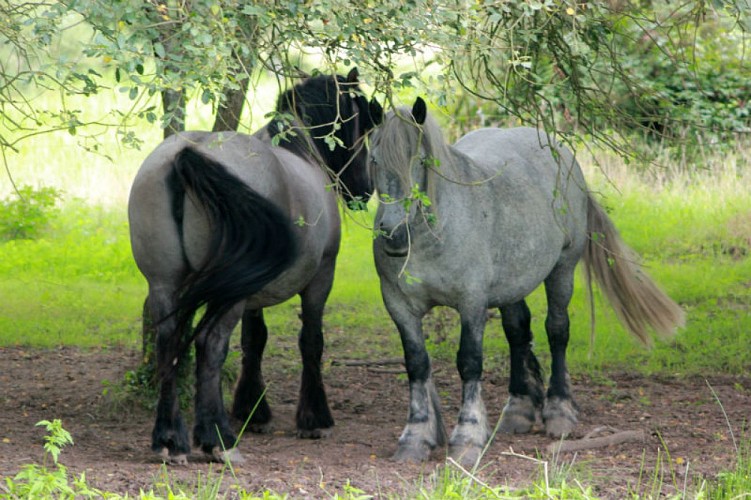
{"x": 637, "y": 300}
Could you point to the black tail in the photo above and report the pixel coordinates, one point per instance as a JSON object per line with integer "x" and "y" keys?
{"x": 251, "y": 239}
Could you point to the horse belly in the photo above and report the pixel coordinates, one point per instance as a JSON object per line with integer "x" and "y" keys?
{"x": 288, "y": 284}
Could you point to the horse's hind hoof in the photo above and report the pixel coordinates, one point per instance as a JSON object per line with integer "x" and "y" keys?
{"x": 414, "y": 454}
{"x": 560, "y": 417}
{"x": 519, "y": 415}
{"x": 313, "y": 433}
{"x": 467, "y": 456}
{"x": 177, "y": 459}
{"x": 232, "y": 456}
{"x": 264, "y": 428}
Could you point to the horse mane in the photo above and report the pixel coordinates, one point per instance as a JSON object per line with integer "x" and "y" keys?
{"x": 399, "y": 141}
{"x": 317, "y": 106}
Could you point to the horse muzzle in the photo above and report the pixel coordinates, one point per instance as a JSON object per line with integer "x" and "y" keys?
{"x": 394, "y": 241}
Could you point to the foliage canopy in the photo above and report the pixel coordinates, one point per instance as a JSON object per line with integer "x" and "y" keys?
{"x": 601, "y": 68}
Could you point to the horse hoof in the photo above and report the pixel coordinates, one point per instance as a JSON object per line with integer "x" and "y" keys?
{"x": 232, "y": 456}
{"x": 264, "y": 428}
{"x": 313, "y": 433}
{"x": 413, "y": 454}
{"x": 560, "y": 417}
{"x": 178, "y": 459}
{"x": 519, "y": 415}
{"x": 467, "y": 455}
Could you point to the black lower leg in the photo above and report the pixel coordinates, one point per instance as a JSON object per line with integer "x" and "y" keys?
{"x": 557, "y": 326}
{"x": 525, "y": 378}
{"x": 313, "y": 409}
{"x": 250, "y": 401}
{"x": 169, "y": 430}
{"x": 211, "y": 429}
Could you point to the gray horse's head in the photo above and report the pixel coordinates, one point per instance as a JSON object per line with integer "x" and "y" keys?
{"x": 406, "y": 153}
{"x": 337, "y": 117}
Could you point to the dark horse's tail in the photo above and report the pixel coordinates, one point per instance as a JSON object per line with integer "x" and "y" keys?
{"x": 251, "y": 240}
{"x": 637, "y": 300}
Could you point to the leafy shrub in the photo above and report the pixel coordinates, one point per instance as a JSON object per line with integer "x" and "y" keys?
{"x": 696, "y": 83}
{"x": 27, "y": 212}
{"x": 42, "y": 481}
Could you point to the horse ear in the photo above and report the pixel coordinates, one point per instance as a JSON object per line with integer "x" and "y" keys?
{"x": 376, "y": 112}
{"x": 419, "y": 111}
{"x": 353, "y": 75}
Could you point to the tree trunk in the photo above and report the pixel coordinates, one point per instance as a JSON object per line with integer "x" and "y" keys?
{"x": 173, "y": 103}
{"x": 231, "y": 106}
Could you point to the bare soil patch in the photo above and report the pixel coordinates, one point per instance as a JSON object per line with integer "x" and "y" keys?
{"x": 687, "y": 436}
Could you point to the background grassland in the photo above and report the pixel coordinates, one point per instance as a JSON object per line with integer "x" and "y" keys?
{"x": 78, "y": 284}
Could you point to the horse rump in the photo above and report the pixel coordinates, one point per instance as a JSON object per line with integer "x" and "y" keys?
{"x": 251, "y": 240}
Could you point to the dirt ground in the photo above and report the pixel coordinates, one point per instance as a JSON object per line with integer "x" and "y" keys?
{"x": 687, "y": 436}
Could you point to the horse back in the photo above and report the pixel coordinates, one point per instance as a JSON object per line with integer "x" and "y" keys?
{"x": 520, "y": 163}
{"x": 518, "y": 211}
{"x": 167, "y": 248}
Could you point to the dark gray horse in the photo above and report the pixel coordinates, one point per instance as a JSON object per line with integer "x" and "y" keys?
{"x": 481, "y": 224}
{"x": 236, "y": 223}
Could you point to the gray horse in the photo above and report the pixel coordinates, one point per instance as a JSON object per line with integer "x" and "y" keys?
{"x": 481, "y": 224}
{"x": 237, "y": 223}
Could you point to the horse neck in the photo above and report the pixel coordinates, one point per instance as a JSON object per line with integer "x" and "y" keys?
{"x": 300, "y": 144}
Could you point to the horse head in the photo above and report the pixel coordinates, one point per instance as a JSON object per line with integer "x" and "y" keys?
{"x": 400, "y": 163}
{"x": 337, "y": 117}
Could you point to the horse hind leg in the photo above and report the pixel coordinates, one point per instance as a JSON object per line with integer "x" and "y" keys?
{"x": 526, "y": 388}
{"x": 169, "y": 437}
{"x": 314, "y": 419}
{"x": 211, "y": 430}
{"x": 560, "y": 413}
{"x": 250, "y": 404}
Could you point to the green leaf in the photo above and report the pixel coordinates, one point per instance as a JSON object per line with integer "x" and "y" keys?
{"x": 159, "y": 50}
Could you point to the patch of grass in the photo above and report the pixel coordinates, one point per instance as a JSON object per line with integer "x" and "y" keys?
{"x": 77, "y": 285}
{"x": 733, "y": 483}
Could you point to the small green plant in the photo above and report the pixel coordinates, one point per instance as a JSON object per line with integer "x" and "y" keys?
{"x": 26, "y": 213}
{"x": 49, "y": 480}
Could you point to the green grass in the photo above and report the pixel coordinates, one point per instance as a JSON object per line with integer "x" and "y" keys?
{"x": 78, "y": 284}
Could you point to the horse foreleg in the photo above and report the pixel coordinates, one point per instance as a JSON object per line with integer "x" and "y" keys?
{"x": 424, "y": 430}
{"x": 472, "y": 432}
{"x": 250, "y": 403}
{"x": 560, "y": 412}
{"x": 526, "y": 391}
{"x": 313, "y": 414}
{"x": 211, "y": 430}
{"x": 169, "y": 437}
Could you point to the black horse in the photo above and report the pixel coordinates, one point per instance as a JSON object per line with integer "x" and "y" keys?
{"x": 236, "y": 223}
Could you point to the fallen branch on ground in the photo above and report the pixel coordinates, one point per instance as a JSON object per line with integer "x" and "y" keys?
{"x": 367, "y": 362}
{"x": 589, "y": 441}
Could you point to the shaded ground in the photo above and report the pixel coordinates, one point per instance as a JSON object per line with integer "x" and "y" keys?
{"x": 688, "y": 437}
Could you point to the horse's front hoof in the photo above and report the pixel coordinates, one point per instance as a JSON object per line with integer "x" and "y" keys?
{"x": 313, "y": 433}
{"x": 264, "y": 428}
{"x": 468, "y": 455}
{"x": 231, "y": 456}
{"x": 560, "y": 417}
{"x": 519, "y": 415}
{"x": 412, "y": 453}
{"x": 257, "y": 418}
{"x": 176, "y": 459}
